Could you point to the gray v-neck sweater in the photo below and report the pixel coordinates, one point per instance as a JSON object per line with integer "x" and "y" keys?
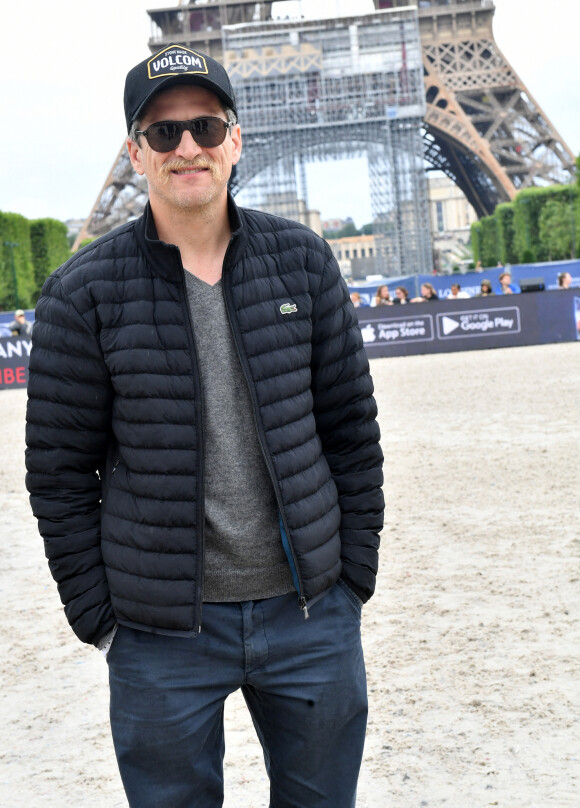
{"x": 244, "y": 557}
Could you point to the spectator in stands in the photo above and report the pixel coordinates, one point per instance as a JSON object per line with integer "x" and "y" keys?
{"x": 479, "y": 267}
{"x": 506, "y": 285}
{"x": 428, "y": 294}
{"x": 382, "y": 297}
{"x": 357, "y": 300}
{"x": 456, "y": 293}
{"x": 564, "y": 280}
{"x": 486, "y": 289}
{"x": 401, "y": 295}
{"x": 20, "y": 327}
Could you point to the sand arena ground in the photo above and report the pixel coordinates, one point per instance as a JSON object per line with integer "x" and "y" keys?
{"x": 472, "y": 640}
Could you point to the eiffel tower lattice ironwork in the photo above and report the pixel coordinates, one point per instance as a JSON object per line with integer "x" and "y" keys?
{"x": 481, "y": 126}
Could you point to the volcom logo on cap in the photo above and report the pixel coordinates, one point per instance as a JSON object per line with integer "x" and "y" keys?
{"x": 172, "y": 61}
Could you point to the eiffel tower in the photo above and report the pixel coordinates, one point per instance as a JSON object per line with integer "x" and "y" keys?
{"x": 480, "y": 124}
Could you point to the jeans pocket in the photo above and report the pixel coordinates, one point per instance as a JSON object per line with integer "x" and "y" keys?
{"x": 351, "y": 596}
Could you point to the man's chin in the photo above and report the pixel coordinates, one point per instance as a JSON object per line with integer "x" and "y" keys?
{"x": 193, "y": 202}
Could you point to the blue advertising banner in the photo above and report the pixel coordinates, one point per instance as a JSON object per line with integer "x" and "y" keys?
{"x": 470, "y": 282}
{"x": 471, "y": 324}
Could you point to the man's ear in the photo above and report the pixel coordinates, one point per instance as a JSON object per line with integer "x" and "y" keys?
{"x": 135, "y": 155}
{"x": 237, "y": 143}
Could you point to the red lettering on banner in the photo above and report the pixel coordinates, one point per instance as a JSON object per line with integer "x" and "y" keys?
{"x": 13, "y": 375}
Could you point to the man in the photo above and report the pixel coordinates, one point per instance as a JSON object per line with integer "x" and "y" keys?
{"x": 506, "y": 287}
{"x": 456, "y": 293}
{"x": 20, "y": 327}
{"x": 204, "y": 462}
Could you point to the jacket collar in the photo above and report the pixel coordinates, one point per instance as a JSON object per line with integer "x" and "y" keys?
{"x": 166, "y": 257}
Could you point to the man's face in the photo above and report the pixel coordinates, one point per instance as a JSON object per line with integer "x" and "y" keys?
{"x": 191, "y": 177}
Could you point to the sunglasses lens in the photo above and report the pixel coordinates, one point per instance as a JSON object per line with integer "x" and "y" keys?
{"x": 163, "y": 137}
{"x": 208, "y": 132}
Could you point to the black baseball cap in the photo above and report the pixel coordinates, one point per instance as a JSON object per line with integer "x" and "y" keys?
{"x": 175, "y": 64}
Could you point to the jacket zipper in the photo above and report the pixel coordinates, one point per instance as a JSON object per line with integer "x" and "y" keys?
{"x": 107, "y": 484}
{"x": 198, "y": 597}
{"x": 301, "y": 600}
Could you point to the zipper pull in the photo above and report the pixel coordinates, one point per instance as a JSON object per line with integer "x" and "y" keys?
{"x": 304, "y": 607}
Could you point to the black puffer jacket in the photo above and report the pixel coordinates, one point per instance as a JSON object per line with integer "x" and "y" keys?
{"x": 115, "y": 446}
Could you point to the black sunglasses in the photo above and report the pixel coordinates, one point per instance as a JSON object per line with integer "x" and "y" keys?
{"x": 207, "y": 132}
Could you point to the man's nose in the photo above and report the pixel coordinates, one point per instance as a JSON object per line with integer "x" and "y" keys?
{"x": 187, "y": 148}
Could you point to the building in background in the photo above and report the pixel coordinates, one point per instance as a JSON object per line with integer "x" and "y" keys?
{"x": 356, "y": 256}
{"x": 451, "y": 218}
{"x": 336, "y": 225}
{"x": 278, "y": 204}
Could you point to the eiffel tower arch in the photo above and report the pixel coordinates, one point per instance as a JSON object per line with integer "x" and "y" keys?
{"x": 479, "y": 123}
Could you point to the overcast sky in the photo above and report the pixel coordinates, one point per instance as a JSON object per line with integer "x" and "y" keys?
{"x": 61, "y": 85}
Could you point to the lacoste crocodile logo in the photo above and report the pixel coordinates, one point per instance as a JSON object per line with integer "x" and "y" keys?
{"x": 288, "y": 308}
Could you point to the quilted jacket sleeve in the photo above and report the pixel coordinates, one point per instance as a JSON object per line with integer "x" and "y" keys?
{"x": 346, "y": 413}
{"x": 67, "y": 432}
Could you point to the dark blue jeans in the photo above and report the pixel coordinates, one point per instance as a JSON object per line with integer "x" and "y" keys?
{"x": 303, "y": 681}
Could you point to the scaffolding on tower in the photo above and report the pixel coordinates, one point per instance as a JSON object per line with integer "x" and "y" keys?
{"x": 328, "y": 89}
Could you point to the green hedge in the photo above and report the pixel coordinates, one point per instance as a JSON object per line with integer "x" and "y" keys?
{"x": 490, "y": 244}
{"x": 506, "y": 233}
{"x": 541, "y": 224}
{"x": 29, "y": 252}
{"x": 50, "y": 248}
{"x": 17, "y": 286}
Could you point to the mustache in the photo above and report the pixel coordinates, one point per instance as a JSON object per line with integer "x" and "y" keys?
{"x": 186, "y": 165}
